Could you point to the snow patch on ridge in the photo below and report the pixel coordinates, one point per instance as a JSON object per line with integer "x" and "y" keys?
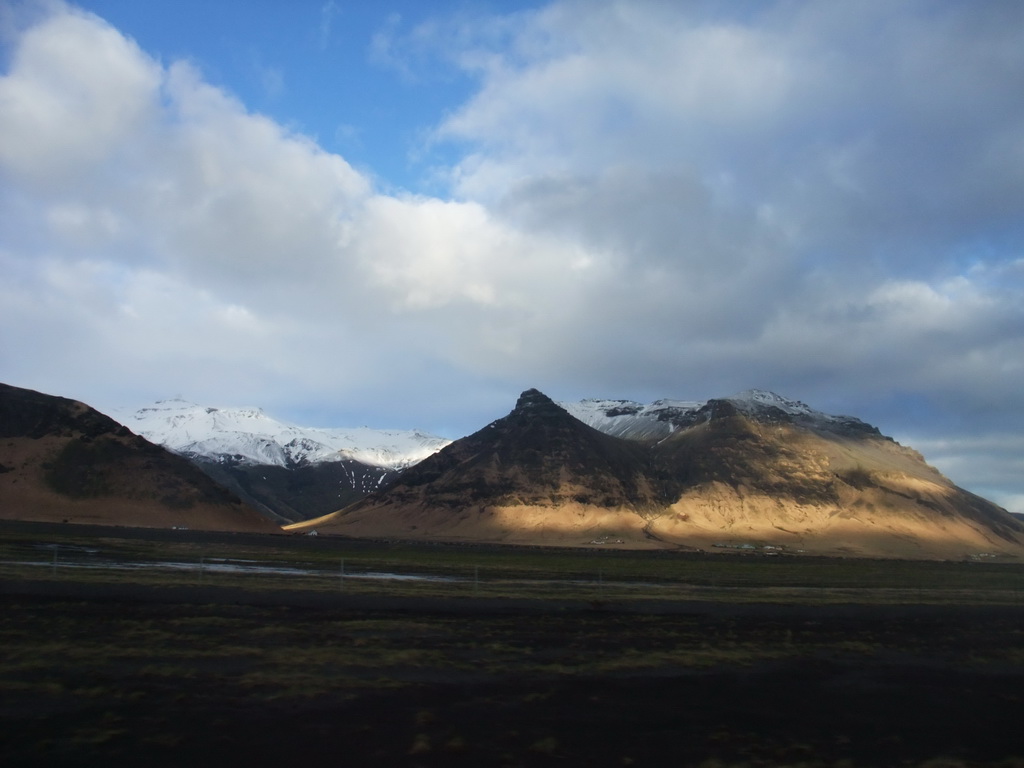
{"x": 632, "y": 420}
{"x": 758, "y": 402}
{"x": 657, "y": 420}
{"x": 754, "y": 400}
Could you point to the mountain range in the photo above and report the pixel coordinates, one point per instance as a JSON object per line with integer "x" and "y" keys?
{"x": 755, "y": 471}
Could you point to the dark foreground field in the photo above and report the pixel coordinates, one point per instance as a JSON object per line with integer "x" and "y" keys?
{"x": 116, "y": 673}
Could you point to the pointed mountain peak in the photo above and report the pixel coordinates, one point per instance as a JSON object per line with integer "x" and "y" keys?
{"x": 534, "y": 407}
{"x": 533, "y": 398}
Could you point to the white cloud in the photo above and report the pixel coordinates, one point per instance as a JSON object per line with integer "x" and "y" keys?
{"x": 215, "y": 246}
{"x": 850, "y": 121}
{"x": 429, "y": 253}
{"x": 75, "y": 92}
{"x": 654, "y": 200}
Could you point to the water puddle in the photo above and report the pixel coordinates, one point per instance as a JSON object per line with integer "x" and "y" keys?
{"x": 71, "y": 557}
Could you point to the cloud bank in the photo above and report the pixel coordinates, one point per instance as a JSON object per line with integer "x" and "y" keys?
{"x": 650, "y": 200}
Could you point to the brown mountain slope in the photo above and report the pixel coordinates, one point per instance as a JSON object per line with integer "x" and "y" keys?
{"x": 724, "y": 476}
{"x": 823, "y": 488}
{"x": 60, "y": 460}
{"x": 535, "y": 474}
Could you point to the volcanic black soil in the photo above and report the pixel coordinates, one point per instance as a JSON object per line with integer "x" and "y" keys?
{"x": 93, "y": 675}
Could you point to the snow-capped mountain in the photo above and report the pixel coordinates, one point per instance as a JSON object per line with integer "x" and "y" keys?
{"x": 248, "y": 435}
{"x": 294, "y": 473}
{"x": 658, "y": 420}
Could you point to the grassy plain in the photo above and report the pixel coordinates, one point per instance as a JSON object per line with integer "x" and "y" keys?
{"x": 259, "y": 563}
{"x": 527, "y": 657}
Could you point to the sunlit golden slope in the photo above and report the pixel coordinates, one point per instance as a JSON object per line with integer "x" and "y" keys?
{"x": 729, "y": 478}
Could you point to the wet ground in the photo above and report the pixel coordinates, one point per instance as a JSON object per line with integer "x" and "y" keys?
{"x": 127, "y": 675}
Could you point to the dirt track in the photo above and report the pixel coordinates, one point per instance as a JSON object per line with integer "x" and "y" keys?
{"x": 121, "y": 675}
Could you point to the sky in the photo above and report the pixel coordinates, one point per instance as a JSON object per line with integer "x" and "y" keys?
{"x": 402, "y": 214}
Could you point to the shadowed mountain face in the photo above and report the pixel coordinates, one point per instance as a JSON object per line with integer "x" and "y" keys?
{"x": 60, "y": 460}
{"x": 760, "y": 471}
{"x": 538, "y": 454}
{"x": 291, "y": 494}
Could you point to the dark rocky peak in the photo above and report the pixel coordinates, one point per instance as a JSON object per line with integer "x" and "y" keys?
{"x": 533, "y": 399}
{"x": 538, "y": 454}
{"x": 534, "y": 406}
